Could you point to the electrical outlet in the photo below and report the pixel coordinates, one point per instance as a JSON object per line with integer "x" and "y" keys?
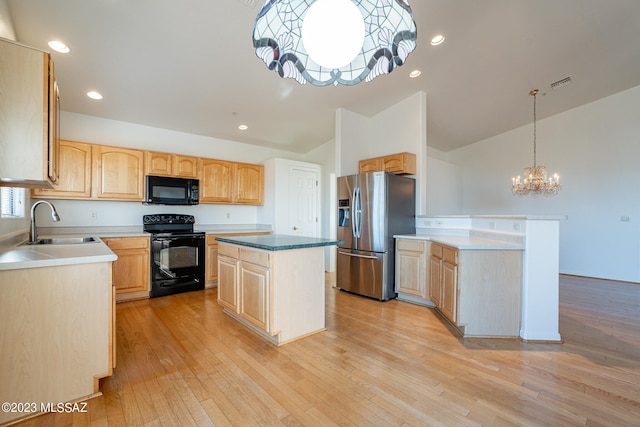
{"x": 625, "y": 218}
{"x": 427, "y": 223}
{"x": 93, "y": 215}
{"x": 492, "y": 225}
{"x": 228, "y": 215}
{"x": 439, "y": 223}
{"x": 516, "y": 226}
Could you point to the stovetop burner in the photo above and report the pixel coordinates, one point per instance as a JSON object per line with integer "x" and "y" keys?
{"x": 168, "y": 223}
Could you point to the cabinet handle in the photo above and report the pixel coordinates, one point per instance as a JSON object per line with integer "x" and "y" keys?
{"x": 295, "y": 228}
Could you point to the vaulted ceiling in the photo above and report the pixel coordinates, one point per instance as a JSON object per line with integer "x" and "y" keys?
{"x": 189, "y": 66}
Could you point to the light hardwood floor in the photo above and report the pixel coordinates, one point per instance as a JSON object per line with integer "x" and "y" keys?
{"x": 182, "y": 361}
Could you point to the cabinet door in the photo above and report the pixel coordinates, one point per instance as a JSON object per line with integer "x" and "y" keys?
{"x": 450, "y": 291}
{"x": 401, "y": 163}
{"x": 158, "y": 164}
{"x": 228, "y": 282}
{"x": 28, "y": 146}
{"x": 185, "y": 166}
{"x": 74, "y": 178}
{"x": 216, "y": 181}
{"x": 249, "y": 181}
{"x": 118, "y": 173}
{"x": 211, "y": 266}
{"x": 131, "y": 270}
{"x": 370, "y": 165}
{"x": 254, "y": 295}
{"x": 410, "y": 268}
{"x": 435, "y": 281}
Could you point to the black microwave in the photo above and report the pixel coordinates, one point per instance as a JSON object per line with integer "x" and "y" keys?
{"x": 166, "y": 190}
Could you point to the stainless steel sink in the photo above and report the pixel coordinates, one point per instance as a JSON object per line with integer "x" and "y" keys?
{"x": 63, "y": 241}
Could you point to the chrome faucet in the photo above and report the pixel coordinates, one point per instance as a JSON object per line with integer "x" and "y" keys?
{"x": 34, "y": 231}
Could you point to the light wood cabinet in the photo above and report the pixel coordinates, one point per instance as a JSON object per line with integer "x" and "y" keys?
{"x": 231, "y": 183}
{"x": 244, "y": 285}
{"x": 449, "y": 291}
{"x": 166, "y": 164}
{"x": 57, "y": 333}
{"x": 131, "y": 271}
{"x": 227, "y": 267}
{"x": 249, "y": 184}
{"x": 118, "y": 173}
{"x": 216, "y": 181}
{"x": 74, "y": 178}
{"x": 477, "y": 290}
{"x": 412, "y": 268}
{"x": 399, "y": 164}
{"x": 29, "y": 117}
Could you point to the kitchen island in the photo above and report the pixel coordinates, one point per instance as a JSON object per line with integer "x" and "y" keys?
{"x": 273, "y": 284}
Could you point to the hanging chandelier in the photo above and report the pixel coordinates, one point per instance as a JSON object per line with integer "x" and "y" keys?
{"x": 335, "y": 42}
{"x": 535, "y": 177}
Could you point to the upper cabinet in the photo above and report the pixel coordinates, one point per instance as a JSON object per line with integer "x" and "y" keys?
{"x": 165, "y": 164}
{"x": 399, "y": 164}
{"x": 231, "y": 183}
{"x": 74, "y": 178}
{"x": 249, "y": 184}
{"x": 29, "y": 117}
{"x": 118, "y": 173}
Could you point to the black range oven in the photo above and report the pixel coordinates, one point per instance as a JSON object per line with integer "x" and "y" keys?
{"x": 177, "y": 254}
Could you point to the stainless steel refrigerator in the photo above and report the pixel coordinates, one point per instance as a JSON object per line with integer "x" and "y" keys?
{"x": 372, "y": 207}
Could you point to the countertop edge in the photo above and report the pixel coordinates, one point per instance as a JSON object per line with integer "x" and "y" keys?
{"x": 464, "y": 242}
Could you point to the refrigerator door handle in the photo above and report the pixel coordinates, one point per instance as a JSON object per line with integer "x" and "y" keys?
{"x": 357, "y": 256}
{"x": 354, "y": 219}
{"x": 358, "y": 212}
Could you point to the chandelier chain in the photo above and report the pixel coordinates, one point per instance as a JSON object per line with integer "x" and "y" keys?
{"x": 534, "y": 93}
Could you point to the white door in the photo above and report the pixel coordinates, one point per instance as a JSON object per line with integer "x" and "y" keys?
{"x": 304, "y": 205}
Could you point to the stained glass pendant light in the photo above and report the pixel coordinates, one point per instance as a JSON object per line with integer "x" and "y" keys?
{"x": 326, "y": 42}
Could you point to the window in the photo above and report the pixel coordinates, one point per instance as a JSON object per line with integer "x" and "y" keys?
{"x": 11, "y": 202}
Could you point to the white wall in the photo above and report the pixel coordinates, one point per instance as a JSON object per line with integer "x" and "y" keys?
{"x": 6, "y": 25}
{"x": 399, "y": 128}
{"x": 595, "y": 149}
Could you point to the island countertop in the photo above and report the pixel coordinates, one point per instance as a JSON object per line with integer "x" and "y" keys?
{"x": 278, "y": 242}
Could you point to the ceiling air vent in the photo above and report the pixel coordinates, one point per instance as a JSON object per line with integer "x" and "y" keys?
{"x": 560, "y": 83}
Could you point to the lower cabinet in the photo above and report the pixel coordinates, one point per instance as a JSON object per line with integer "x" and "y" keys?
{"x": 412, "y": 269}
{"x": 131, "y": 271}
{"x": 477, "y": 290}
{"x": 244, "y": 285}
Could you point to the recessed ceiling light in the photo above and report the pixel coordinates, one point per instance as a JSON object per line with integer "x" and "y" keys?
{"x": 243, "y": 127}
{"x": 94, "y": 95}
{"x": 58, "y": 46}
{"x": 415, "y": 73}
{"x": 437, "y": 40}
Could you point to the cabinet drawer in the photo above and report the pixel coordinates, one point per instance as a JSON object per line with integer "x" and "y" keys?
{"x": 228, "y": 250}
{"x": 450, "y": 255}
{"x": 411, "y": 245}
{"x": 127, "y": 242}
{"x": 255, "y": 257}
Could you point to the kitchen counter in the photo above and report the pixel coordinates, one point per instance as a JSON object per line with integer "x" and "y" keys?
{"x": 464, "y": 242}
{"x": 35, "y": 256}
{"x": 278, "y": 242}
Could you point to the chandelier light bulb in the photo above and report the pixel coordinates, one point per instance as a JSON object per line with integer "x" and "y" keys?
{"x": 333, "y": 32}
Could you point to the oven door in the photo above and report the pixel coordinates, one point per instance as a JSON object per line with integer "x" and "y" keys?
{"x": 177, "y": 263}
